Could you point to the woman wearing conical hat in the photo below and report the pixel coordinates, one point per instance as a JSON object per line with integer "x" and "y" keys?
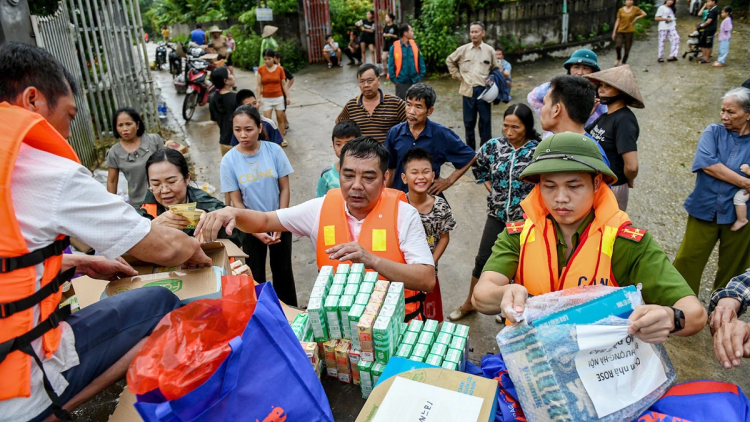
{"x": 617, "y": 130}
{"x": 268, "y": 41}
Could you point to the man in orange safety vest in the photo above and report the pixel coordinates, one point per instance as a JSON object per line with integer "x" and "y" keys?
{"x": 361, "y": 222}
{"x": 405, "y": 63}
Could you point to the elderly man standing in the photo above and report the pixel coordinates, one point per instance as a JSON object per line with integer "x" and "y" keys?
{"x": 373, "y": 110}
{"x": 471, "y": 64}
{"x": 360, "y": 222}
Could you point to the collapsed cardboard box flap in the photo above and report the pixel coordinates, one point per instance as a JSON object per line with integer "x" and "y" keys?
{"x": 219, "y": 252}
{"x": 125, "y": 410}
{"x": 451, "y": 380}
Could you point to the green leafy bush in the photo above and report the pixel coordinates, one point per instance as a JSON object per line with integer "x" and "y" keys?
{"x": 434, "y": 32}
{"x": 292, "y": 57}
{"x": 248, "y": 47}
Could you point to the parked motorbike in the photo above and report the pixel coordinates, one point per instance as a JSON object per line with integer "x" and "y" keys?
{"x": 198, "y": 87}
{"x": 161, "y": 55}
{"x": 175, "y": 62}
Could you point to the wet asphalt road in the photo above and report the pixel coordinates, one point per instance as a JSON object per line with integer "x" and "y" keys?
{"x": 681, "y": 99}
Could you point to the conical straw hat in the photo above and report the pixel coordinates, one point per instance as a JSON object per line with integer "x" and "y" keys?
{"x": 269, "y": 30}
{"x": 214, "y": 29}
{"x": 620, "y": 77}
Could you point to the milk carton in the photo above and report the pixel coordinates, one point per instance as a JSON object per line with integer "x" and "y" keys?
{"x": 381, "y": 286}
{"x": 371, "y": 277}
{"x": 362, "y": 298}
{"x": 415, "y": 326}
{"x": 345, "y": 304}
{"x": 354, "y": 278}
{"x": 382, "y": 335}
{"x": 354, "y": 365}
{"x": 377, "y": 371}
{"x": 339, "y": 279}
{"x": 431, "y": 326}
{"x": 319, "y": 291}
{"x": 343, "y": 269}
{"x": 333, "y": 318}
{"x": 325, "y": 270}
{"x": 364, "y": 328}
{"x": 420, "y": 351}
{"x": 461, "y": 331}
{"x": 329, "y": 348}
{"x": 444, "y": 338}
{"x": 355, "y": 313}
{"x": 365, "y": 377}
{"x": 366, "y": 287}
{"x": 351, "y": 289}
{"x": 336, "y": 290}
{"x": 410, "y": 337}
{"x": 426, "y": 338}
{"x": 342, "y": 361}
{"x": 439, "y": 349}
{"x": 358, "y": 268}
{"x": 448, "y": 327}
{"x": 434, "y": 360}
{"x": 317, "y": 318}
{"x": 404, "y": 351}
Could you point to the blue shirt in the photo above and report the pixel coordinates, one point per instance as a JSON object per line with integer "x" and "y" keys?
{"x": 712, "y": 198}
{"x": 506, "y": 67}
{"x": 256, "y": 176}
{"x": 408, "y": 73}
{"x": 443, "y": 143}
{"x": 198, "y": 36}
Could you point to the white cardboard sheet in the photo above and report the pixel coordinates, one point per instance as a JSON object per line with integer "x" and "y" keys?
{"x": 413, "y": 401}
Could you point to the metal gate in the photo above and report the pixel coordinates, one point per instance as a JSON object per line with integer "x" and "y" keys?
{"x": 318, "y": 25}
{"x": 101, "y": 42}
{"x": 381, "y": 8}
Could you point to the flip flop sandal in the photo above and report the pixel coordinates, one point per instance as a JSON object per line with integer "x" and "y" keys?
{"x": 660, "y": 60}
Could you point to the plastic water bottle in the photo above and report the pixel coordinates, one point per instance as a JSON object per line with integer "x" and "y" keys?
{"x": 162, "y": 109}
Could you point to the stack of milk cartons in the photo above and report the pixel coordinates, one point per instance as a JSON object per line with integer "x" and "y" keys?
{"x": 447, "y": 347}
{"x": 386, "y": 331}
{"x": 316, "y": 305}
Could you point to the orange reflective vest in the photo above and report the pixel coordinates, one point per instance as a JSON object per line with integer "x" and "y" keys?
{"x": 590, "y": 263}
{"x": 379, "y": 236}
{"x": 398, "y": 57}
{"x": 150, "y": 209}
{"x": 18, "y": 292}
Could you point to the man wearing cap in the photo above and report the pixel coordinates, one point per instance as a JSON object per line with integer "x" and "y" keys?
{"x": 617, "y": 130}
{"x": 582, "y": 62}
{"x": 574, "y": 226}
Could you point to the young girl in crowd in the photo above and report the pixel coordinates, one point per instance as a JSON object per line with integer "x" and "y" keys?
{"x": 256, "y": 176}
{"x": 667, "y": 29}
{"x": 130, "y": 154}
{"x": 725, "y": 35}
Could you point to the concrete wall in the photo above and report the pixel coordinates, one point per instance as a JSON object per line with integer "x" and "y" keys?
{"x": 533, "y": 23}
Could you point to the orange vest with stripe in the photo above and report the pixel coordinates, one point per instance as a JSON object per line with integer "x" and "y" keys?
{"x": 150, "y": 209}
{"x": 379, "y": 234}
{"x": 22, "y": 126}
{"x": 590, "y": 263}
{"x": 398, "y": 56}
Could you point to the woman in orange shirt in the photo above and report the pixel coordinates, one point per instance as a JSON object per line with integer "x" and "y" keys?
{"x": 272, "y": 89}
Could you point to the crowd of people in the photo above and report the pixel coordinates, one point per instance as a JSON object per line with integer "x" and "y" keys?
{"x": 556, "y": 201}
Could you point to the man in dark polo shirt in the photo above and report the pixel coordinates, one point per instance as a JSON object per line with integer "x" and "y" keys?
{"x": 373, "y": 110}
{"x": 420, "y": 132}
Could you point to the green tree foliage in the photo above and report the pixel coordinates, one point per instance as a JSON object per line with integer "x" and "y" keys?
{"x": 43, "y": 7}
{"x": 434, "y": 32}
{"x": 166, "y": 12}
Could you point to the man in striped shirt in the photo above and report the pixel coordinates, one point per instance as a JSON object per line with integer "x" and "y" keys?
{"x": 373, "y": 110}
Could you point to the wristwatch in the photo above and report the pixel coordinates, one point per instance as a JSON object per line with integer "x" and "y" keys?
{"x": 679, "y": 320}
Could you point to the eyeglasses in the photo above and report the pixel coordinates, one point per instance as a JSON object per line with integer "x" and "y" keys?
{"x": 169, "y": 185}
{"x": 365, "y": 82}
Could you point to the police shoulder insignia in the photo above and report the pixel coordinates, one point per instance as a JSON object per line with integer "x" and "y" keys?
{"x": 515, "y": 227}
{"x": 630, "y": 232}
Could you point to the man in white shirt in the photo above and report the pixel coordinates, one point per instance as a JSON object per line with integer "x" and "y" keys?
{"x": 364, "y": 173}
{"x": 54, "y": 196}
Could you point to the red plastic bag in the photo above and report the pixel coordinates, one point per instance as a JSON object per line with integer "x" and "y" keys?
{"x": 190, "y": 343}
{"x": 433, "y": 303}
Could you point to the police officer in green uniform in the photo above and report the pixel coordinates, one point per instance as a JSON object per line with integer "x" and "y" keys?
{"x": 573, "y": 214}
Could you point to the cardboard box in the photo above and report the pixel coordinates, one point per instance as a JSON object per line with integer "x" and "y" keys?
{"x": 483, "y": 388}
{"x": 188, "y": 285}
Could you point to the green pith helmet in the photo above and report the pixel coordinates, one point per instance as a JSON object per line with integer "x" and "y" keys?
{"x": 585, "y": 57}
{"x": 567, "y": 152}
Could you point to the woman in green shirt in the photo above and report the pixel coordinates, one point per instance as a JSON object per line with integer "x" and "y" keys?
{"x": 169, "y": 184}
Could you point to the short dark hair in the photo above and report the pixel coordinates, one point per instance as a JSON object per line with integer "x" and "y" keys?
{"x": 173, "y": 157}
{"x": 249, "y": 111}
{"x": 416, "y": 154}
{"x": 133, "y": 115}
{"x": 199, "y": 25}
{"x": 23, "y": 66}
{"x": 243, "y": 95}
{"x": 392, "y": 16}
{"x": 366, "y": 147}
{"x": 328, "y": 36}
{"x": 278, "y": 54}
{"x": 477, "y": 23}
{"x": 368, "y": 66}
{"x": 269, "y": 53}
{"x": 371, "y": 11}
{"x": 499, "y": 48}
{"x": 346, "y": 129}
{"x": 727, "y": 9}
{"x": 403, "y": 29}
{"x": 577, "y": 95}
{"x": 219, "y": 77}
{"x": 424, "y": 92}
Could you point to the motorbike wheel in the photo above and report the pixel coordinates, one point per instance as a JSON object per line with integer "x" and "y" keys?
{"x": 188, "y": 105}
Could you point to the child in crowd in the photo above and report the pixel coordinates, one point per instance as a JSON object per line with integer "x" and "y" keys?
{"x": 222, "y": 105}
{"x": 740, "y": 203}
{"x": 725, "y": 35}
{"x": 343, "y": 132}
{"x": 504, "y": 65}
{"x": 437, "y": 217}
{"x": 270, "y": 128}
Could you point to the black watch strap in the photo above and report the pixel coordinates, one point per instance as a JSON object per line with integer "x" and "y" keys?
{"x": 679, "y": 318}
